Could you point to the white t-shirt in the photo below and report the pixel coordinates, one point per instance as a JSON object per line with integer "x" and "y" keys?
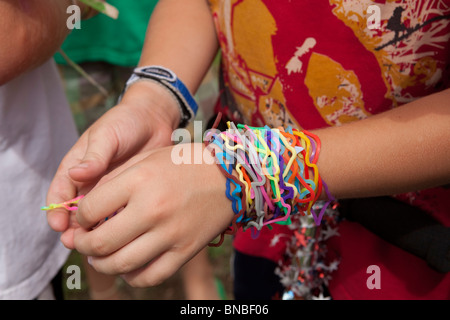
{"x": 36, "y": 130}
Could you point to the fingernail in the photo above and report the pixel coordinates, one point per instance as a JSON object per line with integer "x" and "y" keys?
{"x": 81, "y": 165}
{"x": 89, "y": 260}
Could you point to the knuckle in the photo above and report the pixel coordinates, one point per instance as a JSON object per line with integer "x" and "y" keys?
{"x": 160, "y": 276}
{"x": 149, "y": 281}
{"x": 99, "y": 247}
{"x": 121, "y": 265}
{"x": 151, "y": 276}
{"x": 162, "y": 137}
{"x": 141, "y": 173}
{"x": 156, "y": 214}
{"x": 86, "y": 214}
{"x": 107, "y": 177}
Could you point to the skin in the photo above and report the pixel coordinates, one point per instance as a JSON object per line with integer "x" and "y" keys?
{"x": 125, "y": 127}
{"x": 167, "y": 216}
{"x": 31, "y": 32}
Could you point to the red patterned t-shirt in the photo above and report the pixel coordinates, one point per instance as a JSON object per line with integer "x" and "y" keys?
{"x": 312, "y": 64}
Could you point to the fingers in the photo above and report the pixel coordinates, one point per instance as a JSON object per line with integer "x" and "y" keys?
{"x": 102, "y": 202}
{"x": 131, "y": 257}
{"x": 112, "y": 192}
{"x": 61, "y": 189}
{"x": 102, "y": 145}
{"x": 147, "y": 261}
{"x": 67, "y": 238}
{"x": 118, "y": 170}
{"x": 157, "y": 271}
{"x": 153, "y": 236}
{"x": 112, "y": 234}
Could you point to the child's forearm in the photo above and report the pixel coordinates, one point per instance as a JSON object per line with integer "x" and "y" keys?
{"x": 405, "y": 149}
{"x": 181, "y": 36}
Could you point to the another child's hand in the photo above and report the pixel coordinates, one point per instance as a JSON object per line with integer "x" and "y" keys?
{"x": 143, "y": 121}
{"x": 170, "y": 212}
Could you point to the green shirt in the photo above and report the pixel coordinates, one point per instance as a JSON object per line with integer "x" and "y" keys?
{"x": 118, "y": 42}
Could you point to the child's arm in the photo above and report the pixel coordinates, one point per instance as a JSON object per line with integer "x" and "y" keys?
{"x": 30, "y": 33}
{"x": 405, "y": 149}
{"x": 172, "y": 211}
{"x": 181, "y": 37}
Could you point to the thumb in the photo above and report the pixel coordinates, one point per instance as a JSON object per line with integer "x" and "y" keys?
{"x": 101, "y": 148}
{"x": 67, "y": 238}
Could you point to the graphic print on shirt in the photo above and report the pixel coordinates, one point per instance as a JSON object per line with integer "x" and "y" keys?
{"x": 253, "y": 79}
{"x": 319, "y": 65}
{"x": 407, "y": 44}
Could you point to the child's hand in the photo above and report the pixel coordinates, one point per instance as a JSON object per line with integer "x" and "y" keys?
{"x": 143, "y": 121}
{"x": 170, "y": 213}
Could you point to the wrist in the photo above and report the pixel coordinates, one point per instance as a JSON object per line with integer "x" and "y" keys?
{"x": 168, "y": 80}
{"x": 276, "y": 179}
{"x": 153, "y": 100}
{"x": 219, "y": 187}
